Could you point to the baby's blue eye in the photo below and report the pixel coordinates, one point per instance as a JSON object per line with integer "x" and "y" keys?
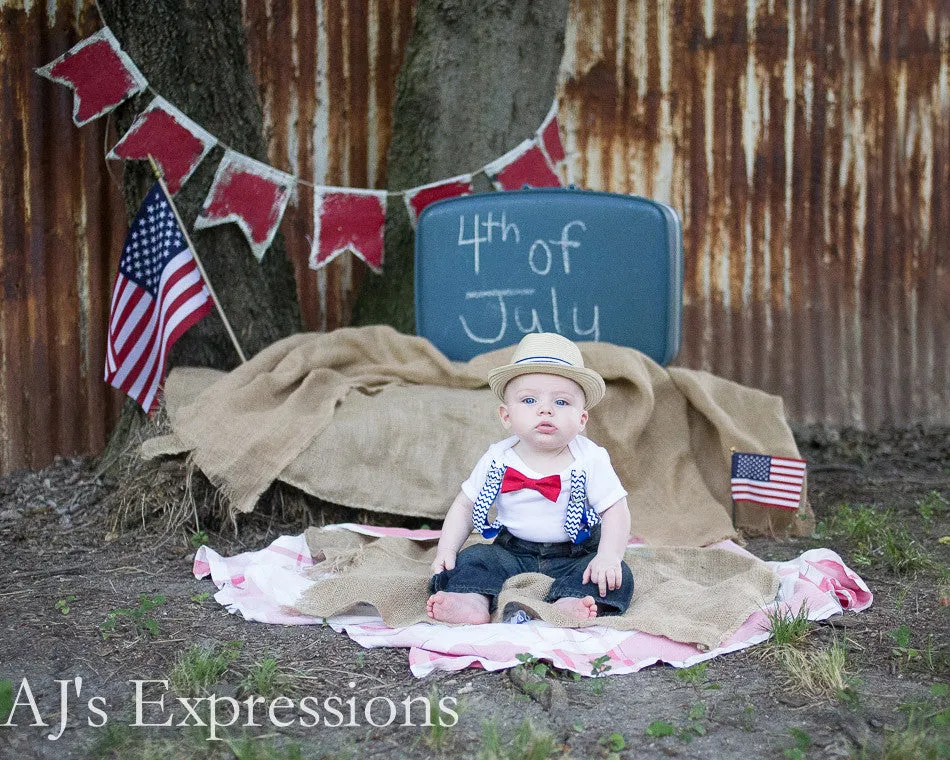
{"x": 528, "y": 400}
{"x": 561, "y": 402}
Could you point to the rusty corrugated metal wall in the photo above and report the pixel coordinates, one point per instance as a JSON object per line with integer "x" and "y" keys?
{"x": 805, "y": 144}
{"x": 807, "y": 147}
{"x": 62, "y": 222}
{"x": 327, "y": 74}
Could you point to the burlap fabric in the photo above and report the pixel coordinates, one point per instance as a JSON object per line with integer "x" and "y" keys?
{"x": 694, "y": 595}
{"x": 373, "y": 419}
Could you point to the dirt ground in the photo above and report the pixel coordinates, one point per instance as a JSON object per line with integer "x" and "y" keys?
{"x": 114, "y": 602}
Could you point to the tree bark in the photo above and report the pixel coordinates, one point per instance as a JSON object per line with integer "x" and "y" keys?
{"x": 193, "y": 53}
{"x": 478, "y": 78}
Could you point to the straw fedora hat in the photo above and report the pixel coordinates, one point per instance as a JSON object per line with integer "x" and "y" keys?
{"x": 550, "y": 354}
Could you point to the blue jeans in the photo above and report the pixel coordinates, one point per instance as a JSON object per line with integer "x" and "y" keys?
{"x": 484, "y": 568}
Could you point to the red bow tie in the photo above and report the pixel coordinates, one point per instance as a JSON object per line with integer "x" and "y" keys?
{"x": 549, "y": 487}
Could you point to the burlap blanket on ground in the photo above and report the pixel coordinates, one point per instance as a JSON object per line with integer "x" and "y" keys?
{"x": 373, "y": 419}
{"x": 693, "y": 595}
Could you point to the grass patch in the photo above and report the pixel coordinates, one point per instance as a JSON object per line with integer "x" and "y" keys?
{"x": 135, "y": 620}
{"x": 788, "y": 629}
{"x": 692, "y": 727}
{"x": 926, "y": 735}
{"x": 660, "y": 728}
{"x": 200, "y": 538}
{"x": 265, "y": 679}
{"x": 928, "y": 657}
{"x": 530, "y": 662}
{"x": 910, "y": 744}
{"x": 600, "y": 666}
{"x": 199, "y": 667}
{"x": 876, "y": 540}
{"x": 802, "y": 744}
{"x": 6, "y": 699}
{"x": 248, "y": 748}
{"x": 615, "y": 742}
{"x": 63, "y": 604}
{"x": 697, "y": 677}
{"x": 119, "y": 742}
{"x": 543, "y": 669}
{"x": 933, "y": 504}
{"x": 440, "y": 735}
{"x": 694, "y": 674}
{"x": 817, "y": 673}
{"x": 525, "y": 744}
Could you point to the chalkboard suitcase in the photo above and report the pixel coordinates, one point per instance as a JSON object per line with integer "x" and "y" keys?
{"x": 589, "y": 265}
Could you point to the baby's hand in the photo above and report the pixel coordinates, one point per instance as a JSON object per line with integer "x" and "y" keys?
{"x": 605, "y": 572}
{"x": 444, "y": 560}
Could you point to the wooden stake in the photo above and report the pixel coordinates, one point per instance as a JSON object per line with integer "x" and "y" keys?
{"x": 191, "y": 247}
{"x": 732, "y": 449}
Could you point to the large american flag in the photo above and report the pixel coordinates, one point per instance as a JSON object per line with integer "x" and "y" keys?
{"x": 158, "y": 295}
{"x": 767, "y": 480}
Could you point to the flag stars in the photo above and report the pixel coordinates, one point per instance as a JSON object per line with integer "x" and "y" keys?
{"x": 154, "y": 239}
{"x": 752, "y": 467}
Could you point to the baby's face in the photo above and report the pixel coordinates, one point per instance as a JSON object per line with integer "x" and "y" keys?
{"x": 544, "y": 411}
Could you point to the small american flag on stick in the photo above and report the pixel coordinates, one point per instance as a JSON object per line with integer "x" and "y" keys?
{"x": 768, "y": 481}
{"x": 158, "y": 295}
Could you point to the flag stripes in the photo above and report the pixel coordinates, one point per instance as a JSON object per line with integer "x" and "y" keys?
{"x": 142, "y": 333}
{"x": 158, "y": 295}
{"x": 767, "y": 481}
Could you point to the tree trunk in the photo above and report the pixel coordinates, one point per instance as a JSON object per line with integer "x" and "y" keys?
{"x": 193, "y": 53}
{"x": 478, "y": 78}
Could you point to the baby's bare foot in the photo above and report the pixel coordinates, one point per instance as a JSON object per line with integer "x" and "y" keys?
{"x": 451, "y": 607}
{"x": 577, "y": 607}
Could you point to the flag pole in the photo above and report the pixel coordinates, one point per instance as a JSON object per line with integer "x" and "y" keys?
{"x": 194, "y": 253}
{"x": 732, "y": 450}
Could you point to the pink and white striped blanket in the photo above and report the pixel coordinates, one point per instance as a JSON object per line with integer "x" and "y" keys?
{"x": 263, "y": 586}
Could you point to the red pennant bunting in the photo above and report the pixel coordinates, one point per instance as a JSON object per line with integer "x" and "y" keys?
{"x": 254, "y": 195}
{"x": 549, "y": 135}
{"x": 525, "y": 165}
{"x": 348, "y": 219}
{"x": 420, "y": 197}
{"x": 100, "y": 73}
{"x": 175, "y": 142}
{"x": 249, "y": 193}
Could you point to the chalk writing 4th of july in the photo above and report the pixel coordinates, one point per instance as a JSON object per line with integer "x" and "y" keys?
{"x": 528, "y": 309}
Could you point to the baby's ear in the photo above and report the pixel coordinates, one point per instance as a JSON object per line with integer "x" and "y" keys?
{"x": 504, "y": 416}
{"x": 585, "y": 415}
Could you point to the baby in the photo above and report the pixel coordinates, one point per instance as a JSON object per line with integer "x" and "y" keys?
{"x": 561, "y": 508}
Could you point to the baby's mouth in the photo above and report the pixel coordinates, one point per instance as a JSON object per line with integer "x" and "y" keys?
{"x": 545, "y": 427}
